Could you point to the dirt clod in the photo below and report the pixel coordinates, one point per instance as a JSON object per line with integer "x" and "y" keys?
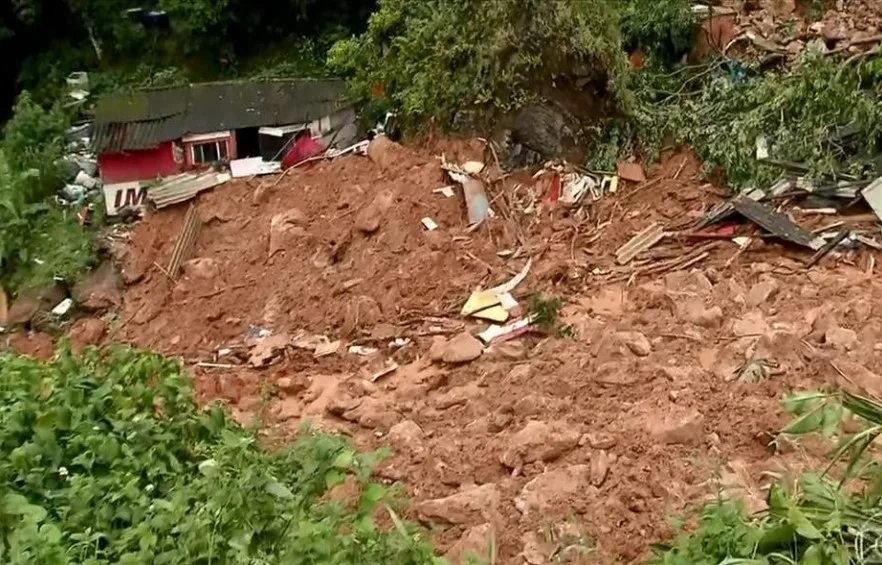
{"x": 85, "y": 332}
{"x": 471, "y": 505}
{"x": 841, "y": 338}
{"x": 539, "y": 441}
{"x": 552, "y": 489}
{"x": 636, "y": 342}
{"x": 679, "y": 427}
{"x": 462, "y": 349}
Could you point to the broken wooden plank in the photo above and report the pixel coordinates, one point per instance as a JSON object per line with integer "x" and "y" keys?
{"x": 775, "y": 223}
{"x": 184, "y": 243}
{"x": 828, "y": 247}
{"x": 639, "y": 243}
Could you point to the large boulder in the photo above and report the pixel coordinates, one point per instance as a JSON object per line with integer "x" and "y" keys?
{"x": 32, "y": 302}
{"x": 101, "y": 289}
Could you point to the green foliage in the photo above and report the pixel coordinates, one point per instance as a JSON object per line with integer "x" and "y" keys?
{"x": 720, "y": 110}
{"x": 442, "y": 60}
{"x": 33, "y": 140}
{"x": 661, "y": 28}
{"x": 38, "y": 240}
{"x": 107, "y": 459}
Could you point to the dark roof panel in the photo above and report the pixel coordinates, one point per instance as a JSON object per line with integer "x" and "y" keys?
{"x": 146, "y": 118}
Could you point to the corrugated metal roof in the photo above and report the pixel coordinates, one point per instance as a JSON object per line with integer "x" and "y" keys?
{"x": 146, "y": 118}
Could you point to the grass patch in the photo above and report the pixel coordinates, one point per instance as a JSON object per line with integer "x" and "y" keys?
{"x": 107, "y": 459}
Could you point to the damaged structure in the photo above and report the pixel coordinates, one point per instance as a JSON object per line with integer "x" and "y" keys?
{"x": 157, "y": 133}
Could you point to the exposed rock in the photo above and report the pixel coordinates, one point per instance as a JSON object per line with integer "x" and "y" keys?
{"x": 511, "y": 350}
{"x": 600, "y": 463}
{"x": 841, "y": 338}
{"x": 384, "y": 152}
{"x": 457, "y": 395}
{"x": 33, "y": 301}
{"x": 407, "y": 437}
{"x": 85, "y": 332}
{"x": 693, "y": 310}
{"x": 341, "y": 403}
{"x": 372, "y": 413}
{"x": 859, "y": 376}
{"x": 204, "y": 268}
{"x": 636, "y": 342}
{"x": 438, "y": 347}
{"x": 291, "y": 385}
{"x": 462, "y": 349}
{"x": 679, "y": 427}
{"x": 553, "y": 489}
{"x": 534, "y": 552}
{"x": 101, "y": 289}
{"x": 600, "y": 440}
{"x": 371, "y": 216}
{"x": 761, "y": 292}
{"x": 539, "y": 441}
{"x": 471, "y": 505}
{"x": 473, "y": 545}
{"x": 753, "y": 324}
{"x": 283, "y": 226}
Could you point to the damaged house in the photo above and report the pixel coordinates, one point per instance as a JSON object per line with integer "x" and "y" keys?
{"x": 150, "y": 134}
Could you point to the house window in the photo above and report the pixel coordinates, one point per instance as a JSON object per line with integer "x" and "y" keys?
{"x": 209, "y": 152}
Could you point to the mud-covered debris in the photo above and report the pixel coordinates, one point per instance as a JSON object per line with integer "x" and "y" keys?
{"x": 761, "y": 292}
{"x": 539, "y": 441}
{"x": 86, "y": 332}
{"x": 497, "y": 334}
{"x": 553, "y": 489}
{"x": 775, "y": 223}
{"x": 632, "y": 172}
{"x": 101, "y": 289}
{"x": 438, "y": 347}
{"x": 284, "y": 225}
{"x": 599, "y": 440}
{"x": 471, "y": 505}
{"x": 407, "y": 437}
{"x": 639, "y": 243}
{"x": 600, "y": 464}
{"x": 841, "y": 338}
{"x": 679, "y": 427}
{"x": 456, "y": 396}
{"x": 475, "y": 544}
{"x": 462, "y": 349}
{"x": 268, "y": 349}
{"x": 636, "y": 342}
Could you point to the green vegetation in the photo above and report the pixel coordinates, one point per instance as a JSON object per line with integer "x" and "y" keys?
{"x": 818, "y": 520}
{"x": 720, "y": 109}
{"x": 443, "y": 61}
{"x": 106, "y": 459}
{"x": 38, "y": 239}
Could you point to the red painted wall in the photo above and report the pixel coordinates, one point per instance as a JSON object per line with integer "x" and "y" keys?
{"x": 142, "y": 164}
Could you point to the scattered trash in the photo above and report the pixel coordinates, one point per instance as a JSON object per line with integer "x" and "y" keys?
{"x": 447, "y": 191}
{"x": 574, "y": 187}
{"x": 476, "y": 200}
{"x": 183, "y": 187}
{"x": 256, "y": 332}
{"x": 776, "y": 224}
{"x": 498, "y": 334}
{"x": 639, "y": 243}
{"x": 483, "y": 299}
{"x": 362, "y": 350}
{"x": 254, "y": 166}
{"x": 390, "y": 366}
{"x": 63, "y": 307}
{"x": 828, "y": 247}
{"x": 267, "y": 350}
{"x": 326, "y": 347}
{"x": 400, "y": 342}
{"x": 429, "y": 223}
{"x": 494, "y": 314}
{"x": 473, "y": 167}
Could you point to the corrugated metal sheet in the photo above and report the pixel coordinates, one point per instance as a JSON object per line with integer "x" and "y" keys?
{"x": 183, "y": 187}
{"x": 144, "y": 119}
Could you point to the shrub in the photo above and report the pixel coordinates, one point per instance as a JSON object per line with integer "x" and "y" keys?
{"x": 106, "y": 459}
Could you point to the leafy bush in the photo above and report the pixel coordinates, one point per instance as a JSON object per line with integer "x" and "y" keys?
{"x": 34, "y": 139}
{"x": 662, "y": 28}
{"x": 441, "y": 59}
{"x": 106, "y": 459}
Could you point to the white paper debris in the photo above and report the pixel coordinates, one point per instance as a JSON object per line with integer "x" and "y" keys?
{"x": 429, "y": 223}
